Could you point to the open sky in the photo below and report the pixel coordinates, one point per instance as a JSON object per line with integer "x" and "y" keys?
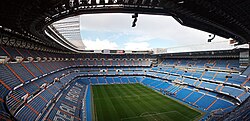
{"x": 114, "y": 31}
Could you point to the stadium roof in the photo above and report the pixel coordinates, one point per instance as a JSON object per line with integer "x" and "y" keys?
{"x": 30, "y": 18}
{"x": 231, "y": 53}
{"x": 69, "y": 30}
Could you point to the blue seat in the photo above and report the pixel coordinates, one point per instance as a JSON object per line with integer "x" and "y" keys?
{"x": 205, "y": 101}
{"x": 93, "y": 80}
{"x": 209, "y": 85}
{"x": 189, "y": 81}
{"x": 101, "y": 80}
{"x": 183, "y": 93}
{"x": 220, "y": 104}
{"x": 117, "y": 80}
{"x": 33, "y": 69}
{"x": 8, "y": 77}
{"x": 208, "y": 75}
{"x": 193, "y": 97}
{"x": 132, "y": 80}
{"x": 232, "y": 91}
{"x": 109, "y": 80}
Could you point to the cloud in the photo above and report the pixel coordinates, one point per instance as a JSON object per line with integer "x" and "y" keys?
{"x": 99, "y": 44}
{"x": 141, "y": 38}
{"x": 149, "y": 29}
{"x": 136, "y": 46}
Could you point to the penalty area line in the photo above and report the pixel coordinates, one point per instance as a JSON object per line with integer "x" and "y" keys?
{"x": 148, "y": 115}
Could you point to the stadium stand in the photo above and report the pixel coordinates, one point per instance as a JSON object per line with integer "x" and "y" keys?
{"x": 26, "y": 83}
{"x": 66, "y": 100}
{"x": 210, "y": 77}
{"x": 39, "y": 67}
{"x": 198, "y": 99}
{"x": 208, "y": 85}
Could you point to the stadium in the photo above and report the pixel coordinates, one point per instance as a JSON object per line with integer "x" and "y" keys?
{"x": 48, "y": 72}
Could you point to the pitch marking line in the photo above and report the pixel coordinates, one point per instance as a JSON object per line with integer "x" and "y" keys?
{"x": 148, "y": 115}
{"x": 133, "y": 96}
{"x": 184, "y": 115}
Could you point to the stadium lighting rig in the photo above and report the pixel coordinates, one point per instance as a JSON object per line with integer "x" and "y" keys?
{"x": 210, "y": 39}
{"x": 135, "y": 16}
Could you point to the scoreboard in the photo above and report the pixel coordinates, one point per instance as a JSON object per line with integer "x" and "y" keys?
{"x": 113, "y": 51}
{"x": 106, "y": 51}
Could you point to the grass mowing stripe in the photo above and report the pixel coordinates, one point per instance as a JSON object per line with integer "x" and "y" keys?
{"x": 118, "y": 104}
{"x": 135, "y": 102}
{"x": 145, "y": 105}
{"x": 94, "y": 115}
{"x": 182, "y": 108}
{"x": 98, "y": 104}
{"x": 125, "y": 105}
{"x": 148, "y": 103}
{"x": 109, "y": 104}
{"x": 154, "y": 104}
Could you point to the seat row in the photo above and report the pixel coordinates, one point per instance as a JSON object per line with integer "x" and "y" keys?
{"x": 67, "y": 104}
{"x": 27, "y": 77}
{"x": 13, "y": 53}
{"x": 210, "y": 63}
{"x": 224, "y": 77}
{"x": 199, "y": 81}
{"x": 112, "y": 80}
{"x": 35, "y": 107}
{"x": 207, "y": 101}
{"x": 13, "y": 74}
{"x": 18, "y": 97}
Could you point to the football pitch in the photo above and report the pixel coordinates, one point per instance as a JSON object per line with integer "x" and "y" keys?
{"x": 135, "y": 102}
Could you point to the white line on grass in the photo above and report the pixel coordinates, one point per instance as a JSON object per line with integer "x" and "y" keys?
{"x": 184, "y": 116}
{"x": 142, "y": 115}
{"x": 132, "y": 96}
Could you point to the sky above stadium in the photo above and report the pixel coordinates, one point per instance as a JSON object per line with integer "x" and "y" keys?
{"x": 114, "y": 31}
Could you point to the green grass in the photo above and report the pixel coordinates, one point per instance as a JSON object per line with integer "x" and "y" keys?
{"x": 135, "y": 102}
